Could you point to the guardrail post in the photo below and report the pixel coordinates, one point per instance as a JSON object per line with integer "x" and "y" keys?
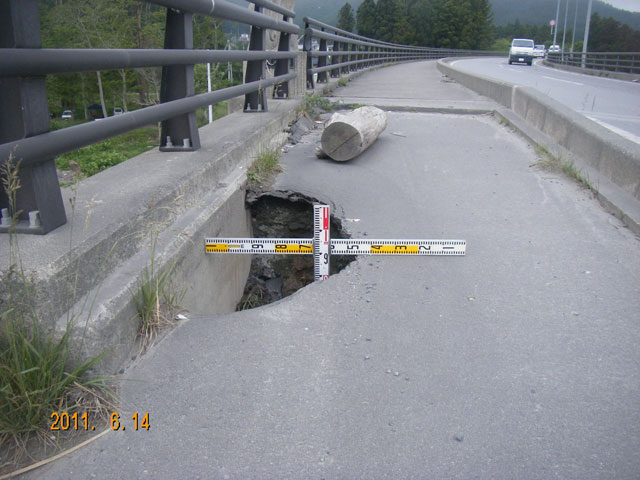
{"x": 352, "y": 56}
{"x": 322, "y": 61}
{"x": 336, "y": 58}
{"x": 344, "y": 58}
{"x": 178, "y": 133}
{"x": 256, "y": 69}
{"x": 282, "y": 64}
{"x": 24, "y": 113}
{"x": 308, "y": 47}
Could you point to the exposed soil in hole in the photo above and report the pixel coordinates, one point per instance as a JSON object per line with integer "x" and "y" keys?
{"x": 283, "y": 215}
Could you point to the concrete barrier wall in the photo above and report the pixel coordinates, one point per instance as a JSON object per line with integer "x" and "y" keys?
{"x": 614, "y": 157}
{"x": 157, "y": 206}
{"x": 501, "y": 92}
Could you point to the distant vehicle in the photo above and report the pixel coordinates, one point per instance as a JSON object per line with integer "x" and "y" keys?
{"x": 555, "y": 49}
{"x": 67, "y": 114}
{"x": 117, "y": 111}
{"x": 539, "y": 51}
{"x": 521, "y": 51}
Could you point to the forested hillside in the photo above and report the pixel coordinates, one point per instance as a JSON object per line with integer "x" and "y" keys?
{"x": 535, "y": 12}
{"x": 463, "y": 24}
{"x": 540, "y": 12}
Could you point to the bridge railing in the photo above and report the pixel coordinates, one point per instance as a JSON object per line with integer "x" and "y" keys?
{"x": 622, "y": 62}
{"x": 340, "y": 52}
{"x": 25, "y": 135}
{"x": 24, "y": 118}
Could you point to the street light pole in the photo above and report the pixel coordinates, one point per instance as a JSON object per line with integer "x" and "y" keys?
{"x": 555, "y": 33}
{"x": 575, "y": 24}
{"x": 564, "y": 31}
{"x": 586, "y": 35}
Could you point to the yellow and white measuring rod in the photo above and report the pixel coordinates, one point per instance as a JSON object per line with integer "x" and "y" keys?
{"x": 259, "y": 245}
{"x": 397, "y": 247}
{"x": 321, "y": 246}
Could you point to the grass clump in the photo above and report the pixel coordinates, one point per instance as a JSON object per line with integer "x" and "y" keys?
{"x": 264, "y": 166}
{"x": 253, "y": 299}
{"x": 551, "y": 162}
{"x": 314, "y": 104}
{"x": 156, "y": 301}
{"x": 572, "y": 171}
{"x": 37, "y": 379}
{"x": 343, "y": 82}
{"x": 38, "y": 375}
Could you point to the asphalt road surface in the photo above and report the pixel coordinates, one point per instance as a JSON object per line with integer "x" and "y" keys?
{"x": 610, "y": 102}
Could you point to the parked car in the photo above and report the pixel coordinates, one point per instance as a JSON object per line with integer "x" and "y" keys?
{"x": 117, "y": 111}
{"x": 521, "y": 51}
{"x": 68, "y": 114}
{"x": 539, "y": 51}
{"x": 555, "y": 49}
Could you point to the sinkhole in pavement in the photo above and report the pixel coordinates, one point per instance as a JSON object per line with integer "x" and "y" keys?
{"x": 283, "y": 215}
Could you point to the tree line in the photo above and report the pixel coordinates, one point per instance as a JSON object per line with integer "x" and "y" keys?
{"x": 468, "y": 24}
{"x": 605, "y": 35}
{"x": 465, "y": 24}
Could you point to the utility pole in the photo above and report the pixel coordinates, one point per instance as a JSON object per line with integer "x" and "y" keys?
{"x": 586, "y": 35}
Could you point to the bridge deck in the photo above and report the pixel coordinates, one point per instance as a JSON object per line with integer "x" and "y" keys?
{"x": 519, "y": 360}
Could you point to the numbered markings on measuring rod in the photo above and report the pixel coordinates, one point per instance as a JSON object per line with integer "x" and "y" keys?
{"x": 259, "y": 245}
{"x": 397, "y": 247}
{"x": 321, "y": 242}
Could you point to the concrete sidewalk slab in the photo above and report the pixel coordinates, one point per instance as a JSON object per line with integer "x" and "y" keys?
{"x": 416, "y": 86}
{"x": 519, "y": 360}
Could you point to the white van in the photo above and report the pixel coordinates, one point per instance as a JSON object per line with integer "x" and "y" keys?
{"x": 521, "y": 51}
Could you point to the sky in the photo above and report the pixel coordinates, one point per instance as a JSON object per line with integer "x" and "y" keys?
{"x": 632, "y": 5}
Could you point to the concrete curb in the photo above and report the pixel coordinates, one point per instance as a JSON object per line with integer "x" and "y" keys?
{"x": 611, "y": 162}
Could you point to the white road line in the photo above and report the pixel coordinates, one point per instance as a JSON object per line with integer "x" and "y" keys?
{"x": 619, "y": 131}
{"x": 565, "y": 81}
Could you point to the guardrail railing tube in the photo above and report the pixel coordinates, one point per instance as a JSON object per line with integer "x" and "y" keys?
{"x": 179, "y": 133}
{"x": 24, "y": 113}
{"x": 256, "y": 69}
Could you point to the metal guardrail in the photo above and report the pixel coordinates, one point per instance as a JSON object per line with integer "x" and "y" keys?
{"x": 621, "y": 62}
{"x": 341, "y": 52}
{"x": 25, "y": 135}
